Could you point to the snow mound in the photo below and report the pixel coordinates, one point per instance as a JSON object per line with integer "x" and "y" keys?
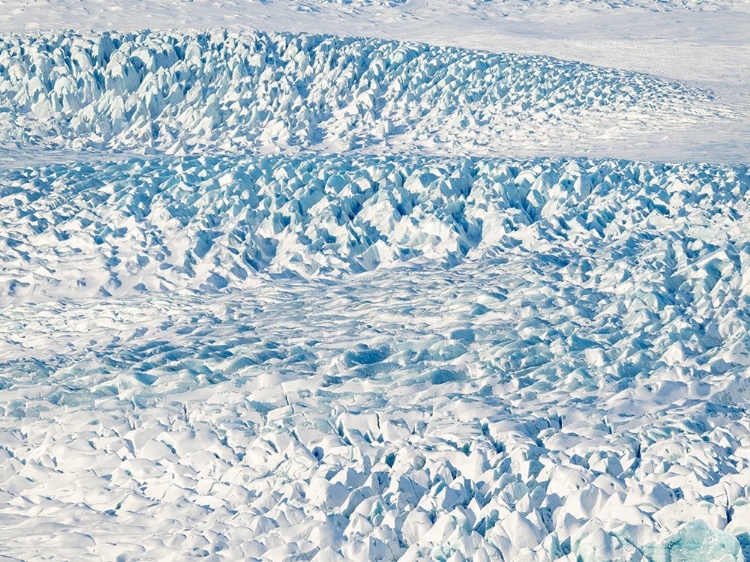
{"x": 175, "y": 93}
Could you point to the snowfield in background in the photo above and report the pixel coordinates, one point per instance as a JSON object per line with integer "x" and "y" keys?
{"x": 352, "y": 281}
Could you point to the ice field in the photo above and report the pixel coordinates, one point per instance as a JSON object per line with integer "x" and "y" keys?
{"x": 218, "y": 91}
{"x": 375, "y": 280}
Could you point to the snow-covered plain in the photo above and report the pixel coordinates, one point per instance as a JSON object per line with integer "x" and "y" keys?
{"x": 296, "y": 294}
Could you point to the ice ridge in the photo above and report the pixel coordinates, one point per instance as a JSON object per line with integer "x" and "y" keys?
{"x": 121, "y": 227}
{"x": 178, "y": 93}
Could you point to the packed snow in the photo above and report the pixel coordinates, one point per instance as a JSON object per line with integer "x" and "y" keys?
{"x": 375, "y": 280}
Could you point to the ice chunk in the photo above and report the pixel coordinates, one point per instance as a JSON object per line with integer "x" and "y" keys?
{"x": 696, "y": 542}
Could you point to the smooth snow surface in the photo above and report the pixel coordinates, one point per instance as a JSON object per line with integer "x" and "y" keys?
{"x": 353, "y": 281}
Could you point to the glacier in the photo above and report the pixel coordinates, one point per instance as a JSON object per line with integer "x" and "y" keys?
{"x": 200, "y": 222}
{"x": 375, "y": 357}
{"x": 269, "y": 295}
{"x": 156, "y": 92}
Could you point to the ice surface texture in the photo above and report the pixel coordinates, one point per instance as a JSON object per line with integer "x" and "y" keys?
{"x": 223, "y": 91}
{"x": 349, "y": 354}
{"x": 546, "y": 359}
{"x": 100, "y": 229}
{"x": 523, "y": 5}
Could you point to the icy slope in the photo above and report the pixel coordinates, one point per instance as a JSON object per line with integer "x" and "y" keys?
{"x": 230, "y": 92}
